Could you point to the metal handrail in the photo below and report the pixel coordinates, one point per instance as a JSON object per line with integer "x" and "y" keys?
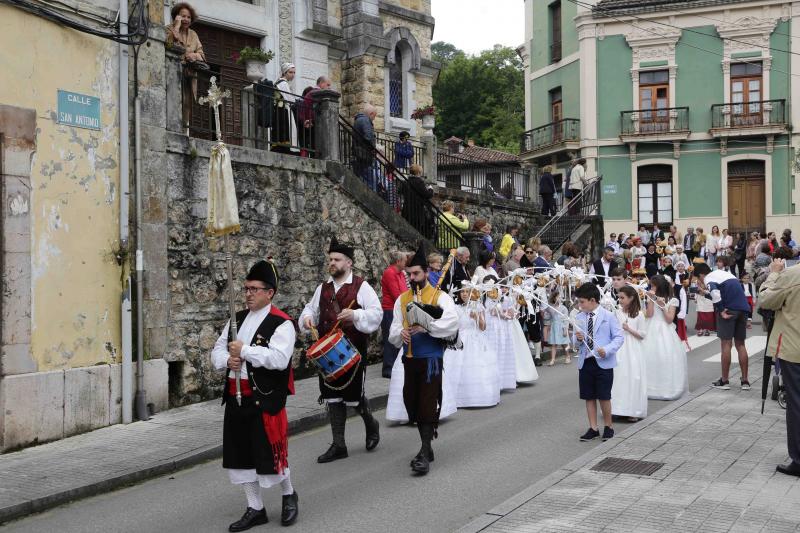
{"x": 754, "y": 113}
{"x": 586, "y": 202}
{"x": 430, "y": 222}
{"x": 566, "y": 129}
{"x": 654, "y": 121}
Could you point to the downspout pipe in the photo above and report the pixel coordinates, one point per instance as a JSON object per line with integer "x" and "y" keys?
{"x": 126, "y": 324}
{"x": 141, "y": 395}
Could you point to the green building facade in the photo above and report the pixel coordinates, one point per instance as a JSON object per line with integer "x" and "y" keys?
{"x": 684, "y": 107}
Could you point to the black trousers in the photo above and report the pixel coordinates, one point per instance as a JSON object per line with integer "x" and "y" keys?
{"x": 791, "y": 381}
{"x": 422, "y": 397}
{"x": 548, "y": 204}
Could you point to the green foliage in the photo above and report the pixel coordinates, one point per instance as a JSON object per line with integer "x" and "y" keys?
{"x": 480, "y": 97}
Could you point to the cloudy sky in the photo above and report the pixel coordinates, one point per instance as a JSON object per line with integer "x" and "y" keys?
{"x": 475, "y": 25}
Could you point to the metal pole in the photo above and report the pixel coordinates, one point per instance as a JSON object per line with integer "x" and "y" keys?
{"x": 232, "y": 308}
{"x": 141, "y": 395}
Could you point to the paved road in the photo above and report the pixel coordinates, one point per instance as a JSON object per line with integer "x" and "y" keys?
{"x": 482, "y": 458}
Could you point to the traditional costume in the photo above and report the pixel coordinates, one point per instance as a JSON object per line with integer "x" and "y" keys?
{"x": 330, "y": 299}
{"x": 423, "y": 355}
{"x": 284, "y": 132}
{"x": 255, "y": 433}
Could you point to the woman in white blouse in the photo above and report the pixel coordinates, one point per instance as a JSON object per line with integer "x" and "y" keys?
{"x": 712, "y": 246}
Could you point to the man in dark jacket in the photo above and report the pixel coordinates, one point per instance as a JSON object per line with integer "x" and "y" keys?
{"x": 403, "y": 151}
{"x": 547, "y": 190}
{"x": 364, "y": 142}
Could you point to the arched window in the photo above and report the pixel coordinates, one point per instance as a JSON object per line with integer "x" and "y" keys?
{"x": 396, "y": 85}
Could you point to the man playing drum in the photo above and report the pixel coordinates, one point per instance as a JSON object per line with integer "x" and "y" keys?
{"x": 422, "y": 339}
{"x": 255, "y": 433}
{"x": 345, "y": 301}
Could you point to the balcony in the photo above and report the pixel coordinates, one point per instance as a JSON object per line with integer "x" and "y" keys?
{"x": 762, "y": 117}
{"x": 661, "y": 124}
{"x": 564, "y": 134}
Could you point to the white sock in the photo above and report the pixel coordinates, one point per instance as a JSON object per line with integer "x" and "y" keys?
{"x": 253, "y": 492}
{"x": 286, "y": 487}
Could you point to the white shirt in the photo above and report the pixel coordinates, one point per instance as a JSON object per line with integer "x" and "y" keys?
{"x": 366, "y": 320}
{"x": 276, "y": 353}
{"x": 606, "y": 267}
{"x": 481, "y": 273}
{"x": 577, "y": 177}
{"x": 441, "y": 328}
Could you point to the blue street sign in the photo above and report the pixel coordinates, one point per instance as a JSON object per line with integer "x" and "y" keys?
{"x": 78, "y": 110}
{"x": 610, "y": 189}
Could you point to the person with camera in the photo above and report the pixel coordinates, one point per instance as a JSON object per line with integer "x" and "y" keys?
{"x": 780, "y": 293}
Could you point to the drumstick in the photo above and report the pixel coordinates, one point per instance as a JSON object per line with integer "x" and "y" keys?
{"x": 336, "y": 326}
{"x": 314, "y": 333}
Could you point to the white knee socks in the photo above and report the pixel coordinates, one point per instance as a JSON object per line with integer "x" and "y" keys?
{"x": 286, "y": 486}
{"x": 253, "y": 492}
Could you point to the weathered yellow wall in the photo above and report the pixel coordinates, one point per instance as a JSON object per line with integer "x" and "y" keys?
{"x": 75, "y": 318}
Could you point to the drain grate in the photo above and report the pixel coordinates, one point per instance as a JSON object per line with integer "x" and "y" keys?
{"x": 626, "y": 466}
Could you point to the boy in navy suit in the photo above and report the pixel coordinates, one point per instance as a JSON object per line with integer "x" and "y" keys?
{"x": 599, "y": 338}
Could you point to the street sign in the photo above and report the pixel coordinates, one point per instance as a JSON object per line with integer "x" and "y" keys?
{"x": 78, "y": 110}
{"x": 610, "y": 189}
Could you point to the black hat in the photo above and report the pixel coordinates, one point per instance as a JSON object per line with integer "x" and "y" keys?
{"x": 264, "y": 271}
{"x": 419, "y": 259}
{"x": 340, "y": 248}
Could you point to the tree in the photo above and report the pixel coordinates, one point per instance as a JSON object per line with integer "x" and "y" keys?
{"x": 481, "y": 97}
{"x": 444, "y": 52}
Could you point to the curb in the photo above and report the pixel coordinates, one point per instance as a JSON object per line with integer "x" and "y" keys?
{"x": 185, "y": 460}
{"x": 494, "y": 514}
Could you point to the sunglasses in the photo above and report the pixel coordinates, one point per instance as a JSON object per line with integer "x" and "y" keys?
{"x": 528, "y": 251}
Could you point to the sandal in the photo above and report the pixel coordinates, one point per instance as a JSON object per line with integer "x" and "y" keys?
{"x": 567, "y": 360}
{"x": 551, "y": 363}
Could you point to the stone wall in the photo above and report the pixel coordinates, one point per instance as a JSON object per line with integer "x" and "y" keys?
{"x": 289, "y": 209}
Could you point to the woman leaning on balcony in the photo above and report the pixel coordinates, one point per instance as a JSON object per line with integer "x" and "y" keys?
{"x": 180, "y": 35}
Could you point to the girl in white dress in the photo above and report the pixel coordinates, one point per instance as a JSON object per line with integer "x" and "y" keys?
{"x": 524, "y": 368}
{"x": 479, "y": 380}
{"x": 629, "y": 391}
{"x": 500, "y": 336}
{"x": 667, "y": 373}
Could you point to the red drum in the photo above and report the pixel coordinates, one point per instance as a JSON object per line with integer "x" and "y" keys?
{"x": 334, "y": 355}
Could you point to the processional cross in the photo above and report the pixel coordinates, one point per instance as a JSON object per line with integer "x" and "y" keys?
{"x": 214, "y": 99}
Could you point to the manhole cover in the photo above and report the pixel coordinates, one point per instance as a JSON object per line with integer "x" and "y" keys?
{"x": 626, "y": 466}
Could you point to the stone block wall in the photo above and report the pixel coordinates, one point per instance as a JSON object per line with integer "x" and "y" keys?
{"x": 362, "y": 83}
{"x": 289, "y": 208}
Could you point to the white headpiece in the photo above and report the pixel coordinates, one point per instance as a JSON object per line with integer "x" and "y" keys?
{"x": 285, "y": 67}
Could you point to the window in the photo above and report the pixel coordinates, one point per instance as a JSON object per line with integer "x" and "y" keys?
{"x": 453, "y": 181}
{"x": 746, "y": 94}
{"x": 655, "y": 195}
{"x": 555, "y": 32}
{"x": 556, "y": 114}
{"x": 493, "y": 178}
{"x": 396, "y": 85}
{"x": 653, "y": 101}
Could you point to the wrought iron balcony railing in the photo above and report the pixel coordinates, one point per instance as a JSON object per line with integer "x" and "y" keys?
{"x": 567, "y": 129}
{"x": 754, "y": 114}
{"x": 658, "y": 121}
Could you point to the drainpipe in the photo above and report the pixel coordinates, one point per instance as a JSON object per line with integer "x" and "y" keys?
{"x": 124, "y": 214}
{"x": 141, "y": 395}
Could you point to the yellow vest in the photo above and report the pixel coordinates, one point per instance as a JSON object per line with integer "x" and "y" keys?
{"x": 428, "y": 295}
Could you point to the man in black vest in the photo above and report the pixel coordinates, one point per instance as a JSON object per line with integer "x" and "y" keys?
{"x": 255, "y": 433}
{"x": 348, "y": 302}
{"x": 602, "y": 268}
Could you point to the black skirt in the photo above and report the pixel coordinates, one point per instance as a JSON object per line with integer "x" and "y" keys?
{"x": 244, "y": 440}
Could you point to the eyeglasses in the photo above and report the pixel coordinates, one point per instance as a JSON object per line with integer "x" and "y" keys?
{"x": 529, "y": 251}
{"x": 253, "y": 290}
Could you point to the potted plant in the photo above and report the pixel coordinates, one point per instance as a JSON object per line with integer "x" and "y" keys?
{"x": 255, "y": 62}
{"x": 427, "y": 115}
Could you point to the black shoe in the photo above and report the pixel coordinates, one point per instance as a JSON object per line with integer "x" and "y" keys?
{"x": 420, "y": 464}
{"x": 290, "y": 510}
{"x": 608, "y": 433}
{"x": 420, "y": 454}
{"x": 334, "y": 452}
{"x": 591, "y": 434}
{"x": 373, "y": 435}
{"x": 386, "y": 373}
{"x": 537, "y": 362}
{"x": 250, "y": 518}
{"x": 790, "y": 469}
{"x": 722, "y": 385}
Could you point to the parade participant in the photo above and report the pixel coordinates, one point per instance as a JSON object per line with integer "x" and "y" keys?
{"x": 667, "y": 373}
{"x": 706, "y": 318}
{"x": 683, "y": 309}
{"x": 499, "y": 335}
{"x": 559, "y": 325}
{"x": 348, "y": 301}
{"x": 599, "y": 338}
{"x": 619, "y": 279}
{"x": 255, "y": 433}
{"x": 525, "y": 369}
{"x": 629, "y": 392}
{"x": 421, "y": 337}
{"x": 479, "y": 382}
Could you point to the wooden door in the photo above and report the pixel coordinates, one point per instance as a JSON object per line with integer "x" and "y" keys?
{"x": 746, "y": 203}
{"x": 556, "y": 113}
{"x": 219, "y": 46}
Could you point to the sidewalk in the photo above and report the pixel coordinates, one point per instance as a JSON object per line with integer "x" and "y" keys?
{"x": 41, "y": 477}
{"x": 719, "y": 456}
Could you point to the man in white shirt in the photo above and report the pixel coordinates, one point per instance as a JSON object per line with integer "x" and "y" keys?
{"x": 347, "y": 302}
{"x": 602, "y": 268}
{"x": 255, "y": 435}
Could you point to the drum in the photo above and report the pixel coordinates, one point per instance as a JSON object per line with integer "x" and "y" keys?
{"x": 334, "y": 355}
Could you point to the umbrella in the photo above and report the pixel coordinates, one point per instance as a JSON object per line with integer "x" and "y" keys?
{"x": 768, "y": 364}
{"x": 223, "y": 208}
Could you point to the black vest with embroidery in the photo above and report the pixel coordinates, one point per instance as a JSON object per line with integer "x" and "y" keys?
{"x": 270, "y": 387}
